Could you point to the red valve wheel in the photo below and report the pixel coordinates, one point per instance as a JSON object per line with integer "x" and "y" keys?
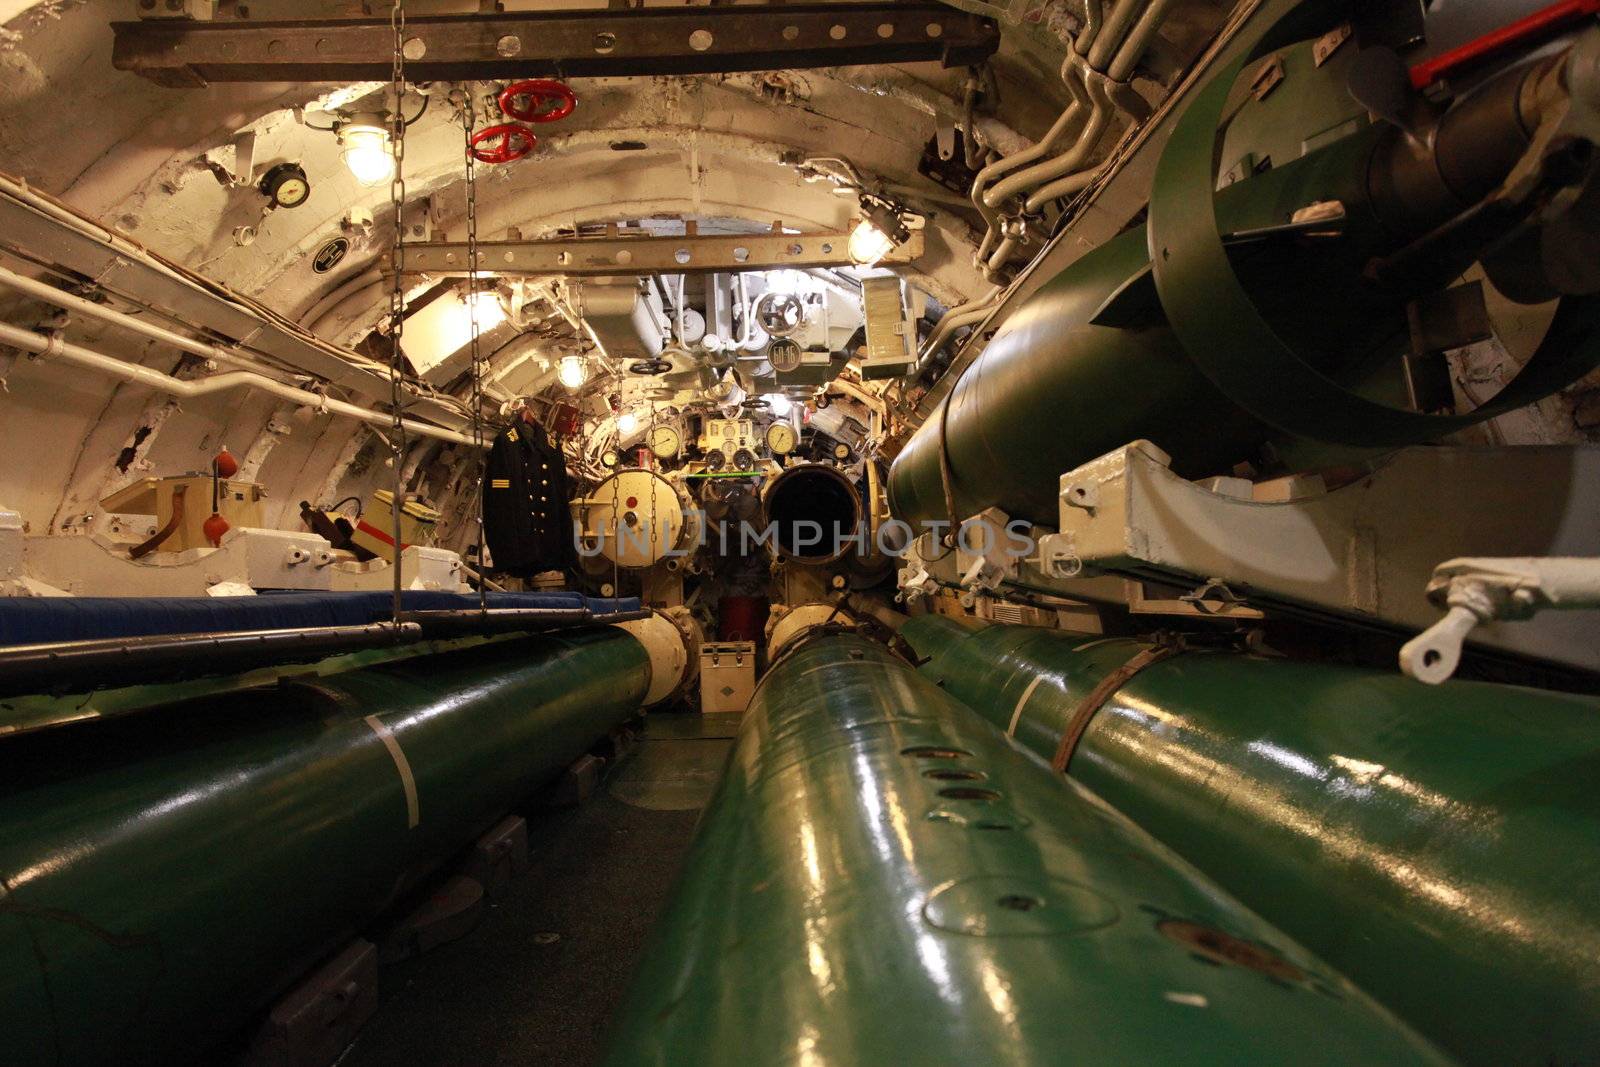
{"x": 537, "y": 100}
{"x": 514, "y": 143}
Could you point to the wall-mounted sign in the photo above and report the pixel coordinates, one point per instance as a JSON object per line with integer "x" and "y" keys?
{"x": 329, "y": 255}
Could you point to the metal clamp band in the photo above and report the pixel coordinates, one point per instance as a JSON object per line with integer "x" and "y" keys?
{"x": 1078, "y": 722}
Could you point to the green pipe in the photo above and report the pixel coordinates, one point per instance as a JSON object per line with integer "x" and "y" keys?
{"x": 1440, "y": 845}
{"x": 164, "y": 877}
{"x": 882, "y": 879}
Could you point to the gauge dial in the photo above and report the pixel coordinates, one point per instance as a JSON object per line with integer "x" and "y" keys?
{"x": 781, "y": 438}
{"x": 841, "y": 451}
{"x": 610, "y": 457}
{"x": 716, "y": 459}
{"x": 744, "y": 460}
{"x": 666, "y": 442}
{"x": 286, "y": 185}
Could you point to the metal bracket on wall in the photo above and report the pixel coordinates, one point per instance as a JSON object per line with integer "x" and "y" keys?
{"x": 690, "y": 254}
{"x": 599, "y": 43}
{"x": 1362, "y": 551}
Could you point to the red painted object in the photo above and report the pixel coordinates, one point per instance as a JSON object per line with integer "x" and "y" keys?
{"x": 537, "y": 100}
{"x": 1546, "y": 22}
{"x": 224, "y": 464}
{"x": 214, "y": 528}
{"x": 741, "y": 618}
{"x": 567, "y": 420}
{"x": 514, "y": 142}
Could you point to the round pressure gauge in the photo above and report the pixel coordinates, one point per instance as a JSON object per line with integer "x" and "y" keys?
{"x": 665, "y": 441}
{"x": 841, "y": 452}
{"x": 610, "y": 457}
{"x": 781, "y": 438}
{"x": 716, "y": 459}
{"x": 286, "y": 185}
{"x": 744, "y": 460}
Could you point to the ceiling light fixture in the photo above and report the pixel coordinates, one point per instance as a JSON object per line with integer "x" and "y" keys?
{"x": 365, "y": 146}
{"x": 572, "y": 371}
{"x": 880, "y": 231}
{"x": 491, "y": 313}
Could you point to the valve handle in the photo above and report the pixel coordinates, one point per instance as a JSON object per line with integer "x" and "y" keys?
{"x": 514, "y": 142}
{"x": 537, "y": 100}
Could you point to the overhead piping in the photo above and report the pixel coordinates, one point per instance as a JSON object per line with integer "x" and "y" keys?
{"x": 42, "y": 345}
{"x": 50, "y": 294}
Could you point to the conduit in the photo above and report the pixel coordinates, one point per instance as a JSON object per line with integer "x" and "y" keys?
{"x": 55, "y": 347}
{"x": 60, "y": 298}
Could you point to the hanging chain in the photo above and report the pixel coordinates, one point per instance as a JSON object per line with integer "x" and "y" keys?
{"x": 397, "y": 290}
{"x": 472, "y": 317}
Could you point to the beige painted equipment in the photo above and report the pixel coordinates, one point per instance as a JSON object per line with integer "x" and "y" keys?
{"x": 636, "y": 518}
{"x": 375, "y": 529}
{"x": 238, "y": 502}
{"x": 727, "y": 676}
{"x": 672, "y": 640}
{"x": 786, "y": 624}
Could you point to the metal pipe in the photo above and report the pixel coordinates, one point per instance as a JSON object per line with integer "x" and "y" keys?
{"x": 1022, "y": 180}
{"x": 1112, "y": 32}
{"x": 42, "y": 345}
{"x": 1093, "y": 19}
{"x": 1437, "y": 844}
{"x": 1138, "y": 40}
{"x": 121, "y": 245}
{"x": 50, "y": 294}
{"x": 1044, "y": 146}
{"x": 164, "y": 878}
{"x": 991, "y": 268}
{"x": 678, "y": 309}
{"x": 1070, "y": 160}
{"x": 881, "y": 879}
{"x": 456, "y": 622}
{"x": 952, "y": 320}
{"x": 79, "y": 666}
{"x": 1066, "y": 186}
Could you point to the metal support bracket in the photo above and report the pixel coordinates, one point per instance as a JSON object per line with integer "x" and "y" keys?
{"x": 566, "y": 44}
{"x": 1359, "y": 552}
{"x": 633, "y": 256}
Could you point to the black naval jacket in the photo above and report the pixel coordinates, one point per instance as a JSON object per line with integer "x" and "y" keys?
{"x": 526, "y": 520}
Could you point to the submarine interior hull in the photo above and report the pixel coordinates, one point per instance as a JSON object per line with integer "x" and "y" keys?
{"x": 827, "y": 534}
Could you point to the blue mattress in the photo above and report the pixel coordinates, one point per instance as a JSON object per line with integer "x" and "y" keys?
{"x": 35, "y": 620}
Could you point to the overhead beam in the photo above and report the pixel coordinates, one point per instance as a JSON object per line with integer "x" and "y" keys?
{"x": 182, "y": 53}
{"x": 596, "y": 256}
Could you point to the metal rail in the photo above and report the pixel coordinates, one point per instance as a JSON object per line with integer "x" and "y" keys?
{"x": 688, "y": 254}
{"x": 79, "y": 666}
